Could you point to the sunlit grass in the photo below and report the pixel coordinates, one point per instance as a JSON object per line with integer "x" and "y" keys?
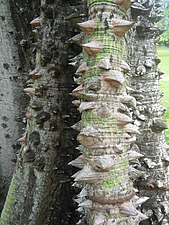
{"x": 163, "y": 53}
{"x": 165, "y": 102}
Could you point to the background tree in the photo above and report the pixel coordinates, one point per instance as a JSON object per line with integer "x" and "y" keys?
{"x": 12, "y": 103}
{"x": 145, "y": 82}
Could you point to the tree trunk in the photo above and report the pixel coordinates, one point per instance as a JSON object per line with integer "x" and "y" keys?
{"x": 11, "y": 99}
{"x": 40, "y": 191}
{"x": 145, "y": 82}
{"x": 105, "y": 129}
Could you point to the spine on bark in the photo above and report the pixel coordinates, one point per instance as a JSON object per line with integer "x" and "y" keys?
{"x": 106, "y": 128}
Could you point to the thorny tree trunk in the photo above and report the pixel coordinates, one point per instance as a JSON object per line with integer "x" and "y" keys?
{"x": 145, "y": 82}
{"x": 40, "y": 190}
{"x": 106, "y": 129}
{"x": 11, "y": 95}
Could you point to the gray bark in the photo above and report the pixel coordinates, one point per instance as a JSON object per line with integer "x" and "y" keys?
{"x": 145, "y": 81}
{"x": 11, "y": 98}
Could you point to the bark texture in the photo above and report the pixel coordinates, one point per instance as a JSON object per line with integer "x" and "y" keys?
{"x": 40, "y": 191}
{"x": 145, "y": 81}
{"x": 11, "y": 99}
{"x": 106, "y": 129}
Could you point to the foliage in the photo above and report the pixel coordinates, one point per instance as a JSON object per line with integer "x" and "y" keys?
{"x": 164, "y": 23}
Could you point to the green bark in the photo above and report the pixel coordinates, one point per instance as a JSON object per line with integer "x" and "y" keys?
{"x": 104, "y": 136}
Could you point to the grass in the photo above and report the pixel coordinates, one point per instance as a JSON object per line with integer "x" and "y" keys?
{"x": 163, "y": 53}
{"x": 165, "y": 102}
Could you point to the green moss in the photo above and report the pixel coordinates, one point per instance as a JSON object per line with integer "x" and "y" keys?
{"x": 94, "y": 120}
{"x": 124, "y": 164}
{"x": 113, "y": 182}
{"x": 116, "y": 179}
{"x": 110, "y": 183}
{"x": 6, "y": 213}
